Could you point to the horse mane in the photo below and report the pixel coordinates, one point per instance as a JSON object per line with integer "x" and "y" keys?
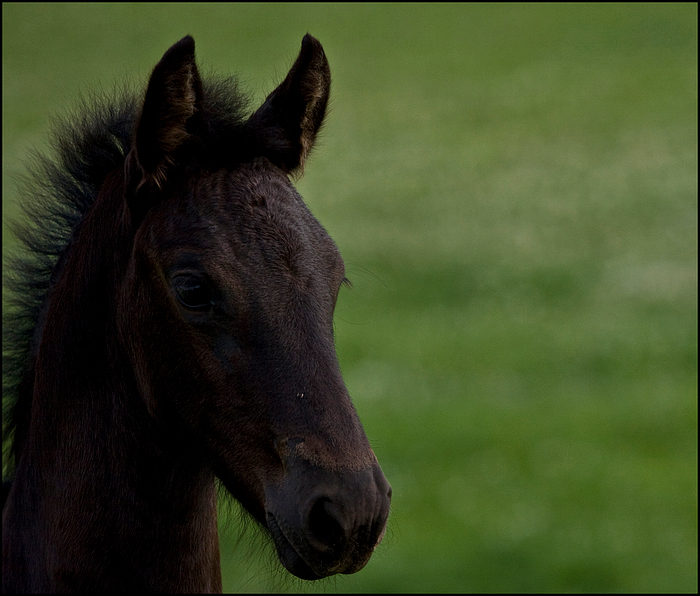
{"x": 60, "y": 187}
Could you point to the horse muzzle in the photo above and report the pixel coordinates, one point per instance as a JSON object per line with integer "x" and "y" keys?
{"x": 325, "y": 521}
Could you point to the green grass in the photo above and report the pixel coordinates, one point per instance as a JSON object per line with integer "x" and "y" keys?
{"x": 514, "y": 190}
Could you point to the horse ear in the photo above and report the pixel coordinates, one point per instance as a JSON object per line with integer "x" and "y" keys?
{"x": 173, "y": 96}
{"x": 284, "y": 128}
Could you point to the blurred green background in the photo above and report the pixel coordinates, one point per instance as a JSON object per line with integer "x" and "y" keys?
{"x": 514, "y": 191}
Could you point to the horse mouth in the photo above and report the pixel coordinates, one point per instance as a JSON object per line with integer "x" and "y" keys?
{"x": 288, "y": 555}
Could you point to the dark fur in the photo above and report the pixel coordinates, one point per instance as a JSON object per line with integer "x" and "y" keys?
{"x": 88, "y": 144}
{"x": 121, "y": 403}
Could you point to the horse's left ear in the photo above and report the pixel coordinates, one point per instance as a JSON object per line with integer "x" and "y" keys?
{"x": 284, "y": 128}
{"x": 173, "y": 96}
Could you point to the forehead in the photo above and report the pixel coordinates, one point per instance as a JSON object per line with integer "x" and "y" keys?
{"x": 252, "y": 214}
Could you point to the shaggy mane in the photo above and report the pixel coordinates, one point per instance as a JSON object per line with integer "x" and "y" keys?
{"x": 59, "y": 189}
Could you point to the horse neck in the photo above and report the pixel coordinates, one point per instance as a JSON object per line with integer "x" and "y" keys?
{"x": 103, "y": 491}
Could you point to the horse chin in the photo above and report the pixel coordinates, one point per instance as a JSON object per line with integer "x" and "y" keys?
{"x": 288, "y": 555}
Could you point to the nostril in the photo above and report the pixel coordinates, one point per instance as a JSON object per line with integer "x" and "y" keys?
{"x": 325, "y": 526}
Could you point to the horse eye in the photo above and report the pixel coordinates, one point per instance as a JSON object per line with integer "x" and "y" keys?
{"x": 193, "y": 294}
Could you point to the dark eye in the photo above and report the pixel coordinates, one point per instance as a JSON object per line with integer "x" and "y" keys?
{"x": 193, "y": 293}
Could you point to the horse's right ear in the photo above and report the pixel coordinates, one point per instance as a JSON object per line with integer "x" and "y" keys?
{"x": 173, "y": 97}
{"x": 284, "y": 128}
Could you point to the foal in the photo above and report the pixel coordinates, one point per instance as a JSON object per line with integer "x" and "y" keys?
{"x": 174, "y": 323}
